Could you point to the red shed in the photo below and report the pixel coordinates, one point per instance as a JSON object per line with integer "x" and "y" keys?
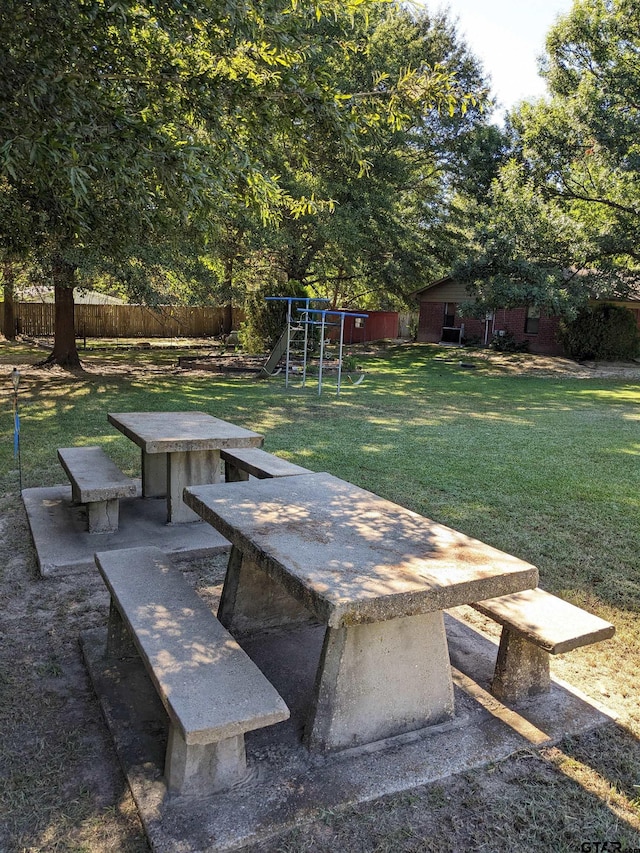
{"x": 376, "y": 326}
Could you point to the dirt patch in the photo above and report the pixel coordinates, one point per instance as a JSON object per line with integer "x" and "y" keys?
{"x": 239, "y": 363}
{"x": 60, "y": 784}
{"x": 544, "y": 365}
{"x": 206, "y": 355}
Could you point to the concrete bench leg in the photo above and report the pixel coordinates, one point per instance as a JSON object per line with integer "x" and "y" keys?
{"x": 522, "y": 668}
{"x": 120, "y": 646}
{"x": 251, "y": 601}
{"x": 203, "y": 768}
{"x": 103, "y": 516}
{"x": 233, "y": 474}
{"x": 380, "y": 679}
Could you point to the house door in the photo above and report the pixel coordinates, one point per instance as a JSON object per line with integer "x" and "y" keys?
{"x": 450, "y": 334}
{"x": 449, "y": 315}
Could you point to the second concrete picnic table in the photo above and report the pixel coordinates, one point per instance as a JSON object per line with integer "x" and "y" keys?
{"x": 180, "y": 449}
{"x": 377, "y": 575}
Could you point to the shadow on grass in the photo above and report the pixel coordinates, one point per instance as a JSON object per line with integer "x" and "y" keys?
{"x": 538, "y": 467}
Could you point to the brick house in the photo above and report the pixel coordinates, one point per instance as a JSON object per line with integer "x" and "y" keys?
{"x": 440, "y": 322}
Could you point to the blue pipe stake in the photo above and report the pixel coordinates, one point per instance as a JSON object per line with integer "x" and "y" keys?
{"x": 16, "y": 438}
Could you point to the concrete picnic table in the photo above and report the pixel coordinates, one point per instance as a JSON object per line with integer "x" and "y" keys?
{"x": 180, "y": 449}
{"x": 377, "y": 575}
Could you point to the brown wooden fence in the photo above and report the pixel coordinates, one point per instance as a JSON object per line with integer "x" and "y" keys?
{"x": 36, "y": 319}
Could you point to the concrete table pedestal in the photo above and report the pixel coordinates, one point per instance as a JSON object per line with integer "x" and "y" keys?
{"x": 187, "y": 468}
{"x": 380, "y": 679}
{"x": 154, "y": 474}
{"x": 375, "y": 679}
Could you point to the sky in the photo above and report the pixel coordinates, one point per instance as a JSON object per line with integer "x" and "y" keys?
{"x": 507, "y": 36}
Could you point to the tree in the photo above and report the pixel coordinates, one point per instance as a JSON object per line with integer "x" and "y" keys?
{"x": 265, "y": 321}
{"x": 14, "y": 245}
{"x": 398, "y": 216}
{"x": 602, "y": 332}
{"x": 593, "y": 73}
{"x": 8, "y": 317}
{"x": 576, "y": 171}
{"x": 522, "y": 248}
{"x": 141, "y": 119}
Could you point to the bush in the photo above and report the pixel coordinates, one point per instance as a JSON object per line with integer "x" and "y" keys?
{"x": 507, "y": 343}
{"x": 604, "y": 332}
{"x": 471, "y": 341}
{"x": 266, "y": 321}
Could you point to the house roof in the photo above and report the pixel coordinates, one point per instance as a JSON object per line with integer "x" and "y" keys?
{"x": 447, "y": 279}
{"x": 629, "y": 289}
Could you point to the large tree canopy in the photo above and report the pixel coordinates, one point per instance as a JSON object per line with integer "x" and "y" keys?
{"x": 570, "y": 199}
{"x": 396, "y": 218}
{"x": 128, "y": 124}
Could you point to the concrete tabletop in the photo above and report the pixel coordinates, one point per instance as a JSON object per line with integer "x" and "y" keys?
{"x": 351, "y": 556}
{"x": 171, "y": 432}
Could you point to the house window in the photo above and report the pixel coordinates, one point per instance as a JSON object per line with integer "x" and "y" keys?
{"x": 359, "y": 322}
{"x": 532, "y": 320}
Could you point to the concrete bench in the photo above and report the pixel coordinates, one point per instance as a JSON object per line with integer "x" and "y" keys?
{"x": 97, "y": 482}
{"x": 536, "y": 624}
{"x": 211, "y": 690}
{"x": 239, "y": 463}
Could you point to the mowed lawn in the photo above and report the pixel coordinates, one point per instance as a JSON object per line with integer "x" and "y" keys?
{"x": 546, "y": 467}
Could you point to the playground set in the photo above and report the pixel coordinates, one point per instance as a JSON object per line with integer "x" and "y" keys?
{"x": 304, "y": 329}
{"x": 311, "y": 344}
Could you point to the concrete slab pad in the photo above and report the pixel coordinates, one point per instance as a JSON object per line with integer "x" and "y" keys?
{"x": 285, "y": 783}
{"x": 64, "y": 546}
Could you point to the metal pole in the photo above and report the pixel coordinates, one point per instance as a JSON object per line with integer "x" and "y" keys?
{"x": 321, "y": 354}
{"x": 306, "y": 343}
{"x": 340, "y": 353}
{"x": 286, "y": 371}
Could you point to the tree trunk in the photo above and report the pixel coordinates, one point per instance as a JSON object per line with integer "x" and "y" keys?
{"x": 227, "y": 317}
{"x": 65, "y": 352}
{"x": 9, "y": 318}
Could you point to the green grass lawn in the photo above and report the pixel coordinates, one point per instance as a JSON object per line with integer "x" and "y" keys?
{"x": 543, "y": 467}
{"x": 546, "y": 468}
